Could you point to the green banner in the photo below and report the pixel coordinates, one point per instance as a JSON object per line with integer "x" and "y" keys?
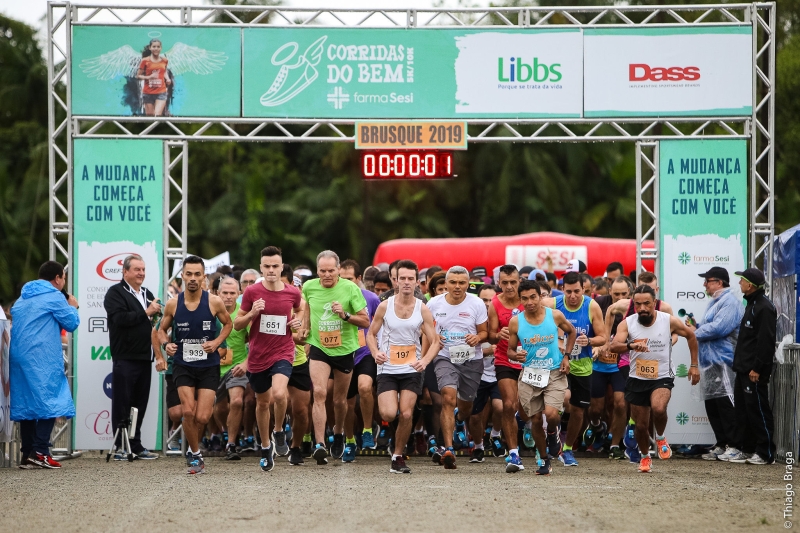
{"x": 702, "y": 224}
{"x": 118, "y": 211}
{"x": 430, "y": 73}
{"x": 124, "y": 70}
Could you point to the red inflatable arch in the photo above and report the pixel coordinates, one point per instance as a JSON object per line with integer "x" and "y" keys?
{"x": 528, "y": 249}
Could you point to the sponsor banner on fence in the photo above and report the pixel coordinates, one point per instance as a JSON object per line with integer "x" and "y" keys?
{"x": 223, "y": 259}
{"x": 668, "y": 71}
{"x": 703, "y": 223}
{"x": 431, "y": 73}
{"x": 6, "y": 426}
{"x": 196, "y": 72}
{"x": 118, "y": 192}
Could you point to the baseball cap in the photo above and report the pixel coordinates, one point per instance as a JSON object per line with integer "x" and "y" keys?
{"x": 716, "y": 272}
{"x": 423, "y": 275}
{"x": 576, "y": 265}
{"x": 536, "y": 271}
{"x": 525, "y": 270}
{"x": 479, "y": 271}
{"x": 753, "y": 275}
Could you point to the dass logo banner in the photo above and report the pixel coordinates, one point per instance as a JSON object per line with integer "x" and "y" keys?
{"x": 668, "y": 71}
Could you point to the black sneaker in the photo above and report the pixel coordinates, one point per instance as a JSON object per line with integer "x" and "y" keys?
{"x": 281, "y": 447}
{"x": 399, "y": 466}
{"x": 498, "y": 448}
{"x": 231, "y": 453}
{"x": 383, "y": 436}
{"x": 320, "y": 454}
{"x": 437, "y": 454}
{"x": 267, "y": 462}
{"x": 553, "y": 445}
{"x": 477, "y": 456}
{"x": 337, "y": 448}
{"x": 545, "y": 469}
{"x": 306, "y": 448}
{"x": 295, "y": 457}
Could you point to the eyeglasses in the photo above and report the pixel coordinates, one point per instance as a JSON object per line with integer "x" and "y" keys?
{"x": 247, "y": 282}
{"x": 712, "y": 279}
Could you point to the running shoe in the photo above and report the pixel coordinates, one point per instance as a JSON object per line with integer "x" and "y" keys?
{"x": 367, "y": 441}
{"x": 567, "y": 458}
{"x": 267, "y": 461}
{"x": 337, "y": 448}
{"x": 498, "y": 449}
{"x": 249, "y": 444}
{"x": 630, "y": 437}
{"x": 288, "y": 430}
{"x": 539, "y": 461}
{"x": 513, "y": 463}
{"x": 553, "y": 445}
{"x": 616, "y": 453}
{"x": 645, "y": 465}
{"x": 734, "y": 456}
{"x": 477, "y": 455}
{"x": 231, "y": 453}
{"x": 432, "y": 447}
{"x": 27, "y": 464}
{"x": 205, "y": 444}
{"x": 437, "y": 452}
{"x": 664, "y": 451}
{"x": 281, "y": 446}
{"x": 216, "y": 444}
{"x": 449, "y": 460}
{"x": 754, "y": 459}
{"x": 295, "y": 457}
{"x": 44, "y": 461}
{"x": 383, "y": 435}
{"x": 460, "y": 436}
{"x": 145, "y": 455}
{"x": 349, "y": 454}
{"x": 594, "y": 433}
{"x": 544, "y": 469}
{"x": 196, "y": 465}
{"x": 119, "y": 456}
{"x": 419, "y": 443}
{"x": 713, "y": 454}
{"x": 305, "y": 448}
{"x": 173, "y": 443}
{"x": 633, "y": 455}
{"x": 527, "y": 438}
{"x": 320, "y": 454}
{"x": 399, "y": 466}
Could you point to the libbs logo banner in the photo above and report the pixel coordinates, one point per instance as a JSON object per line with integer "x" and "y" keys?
{"x": 515, "y": 69}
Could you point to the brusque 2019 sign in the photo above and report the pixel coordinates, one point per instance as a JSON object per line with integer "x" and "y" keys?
{"x": 118, "y": 192}
{"x": 703, "y": 223}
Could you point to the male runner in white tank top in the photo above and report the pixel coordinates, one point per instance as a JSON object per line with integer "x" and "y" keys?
{"x": 647, "y": 336}
{"x": 401, "y": 319}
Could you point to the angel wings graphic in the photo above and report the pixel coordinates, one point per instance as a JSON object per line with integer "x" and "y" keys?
{"x": 125, "y": 60}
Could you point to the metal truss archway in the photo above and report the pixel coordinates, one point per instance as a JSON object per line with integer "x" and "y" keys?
{"x": 64, "y": 126}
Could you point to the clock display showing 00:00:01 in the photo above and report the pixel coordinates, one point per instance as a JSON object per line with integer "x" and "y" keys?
{"x": 429, "y": 164}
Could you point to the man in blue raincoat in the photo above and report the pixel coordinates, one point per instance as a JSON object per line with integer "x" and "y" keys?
{"x": 39, "y": 389}
{"x": 716, "y": 334}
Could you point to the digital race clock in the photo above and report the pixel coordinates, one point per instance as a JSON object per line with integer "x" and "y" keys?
{"x": 407, "y": 165}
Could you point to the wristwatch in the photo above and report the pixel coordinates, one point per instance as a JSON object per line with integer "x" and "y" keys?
{"x": 628, "y": 346}
{"x": 346, "y": 316}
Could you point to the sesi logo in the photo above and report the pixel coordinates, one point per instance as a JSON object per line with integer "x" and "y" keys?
{"x": 642, "y": 72}
{"x": 515, "y": 69}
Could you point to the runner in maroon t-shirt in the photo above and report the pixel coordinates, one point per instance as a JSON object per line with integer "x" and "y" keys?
{"x": 504, "y": 306}
{"x": 272, "y": 309}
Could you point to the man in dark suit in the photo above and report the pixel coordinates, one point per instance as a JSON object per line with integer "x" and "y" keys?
{"x": 130, "y": 308}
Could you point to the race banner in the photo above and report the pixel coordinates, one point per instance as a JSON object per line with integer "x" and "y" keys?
{"x": 164, "y": 71}
{"x": 431, "y": 73}
{"x": 668, "y": 72}
{"x": 703, "y": 223}
{"x": 118, "y": 194}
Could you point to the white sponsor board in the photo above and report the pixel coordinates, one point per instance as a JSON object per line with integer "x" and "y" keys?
{"x": 536, "y": 256}
{"x": 211, "y": 264}
{"x": 101, "y": 267}
{"x": 539, "y": 73}
{"x": 685, "y": 257}
{"x": 668, "y": 72}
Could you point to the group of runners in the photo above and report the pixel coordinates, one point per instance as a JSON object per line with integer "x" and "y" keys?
{"x": 438, "y": 363}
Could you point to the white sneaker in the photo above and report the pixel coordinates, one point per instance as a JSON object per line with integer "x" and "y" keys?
{"x": 713, "y": 454}
{"x": 755, "y": 459}
{"x": 732, "y": 455}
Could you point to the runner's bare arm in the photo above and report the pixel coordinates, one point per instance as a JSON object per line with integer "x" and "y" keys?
{"x": 620, "y": 342}
{"x": 429, "y": 336}
{"x": 619, "y": 308}
{"x": 360, "y": 319}
{"x": 513, "y": 341}
{"x": 296, "y": 321}
{"x": 247, "y": 312}
{"x": 372, "y": 334}
{"x": 480, "y": 336}
{"x": 218, "y": 310}
{"x": 567, "y": 327}
{"x": 598, "y": 325}
{"x": 677, "y": 326}
{"x": 494, "y": 325}
{"x": 166, "y": 320}
{"x": 666, "y": 308}
{"x": 161, "y": 363}
{"x": 306, "y": 328}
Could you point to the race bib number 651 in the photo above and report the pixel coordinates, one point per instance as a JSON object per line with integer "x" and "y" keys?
{"x": 273, "y": 324}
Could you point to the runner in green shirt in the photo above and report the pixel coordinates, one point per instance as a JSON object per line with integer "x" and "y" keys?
{"x": 335, "y": 309}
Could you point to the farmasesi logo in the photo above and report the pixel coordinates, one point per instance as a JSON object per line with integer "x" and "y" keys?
{"x": 682, "y": 418}
{"x": 684, "y": 258}
{"x": 521, "y": 70}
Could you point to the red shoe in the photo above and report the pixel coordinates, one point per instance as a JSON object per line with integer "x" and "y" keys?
{"x": 449, "y": 460}
{"x": 420, "y": 444}
{"x": 44, "y": 461}
{"x": 645, "y": 464}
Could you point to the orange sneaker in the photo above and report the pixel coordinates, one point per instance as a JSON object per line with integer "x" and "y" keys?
{"x": 645, "y": 464}
{"x": 449, "y": 460}
{"x": 664, "y": 451}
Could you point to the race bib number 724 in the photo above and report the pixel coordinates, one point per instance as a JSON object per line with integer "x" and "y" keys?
{"x": 461, "y": 354}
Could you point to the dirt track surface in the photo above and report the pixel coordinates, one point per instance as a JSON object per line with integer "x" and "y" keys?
{"x": 599, "y": 495}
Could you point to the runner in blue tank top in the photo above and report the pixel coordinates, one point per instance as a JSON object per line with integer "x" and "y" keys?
{"x": 533, "y": 341}
{"x": 585, "y": 314}
{"x": 193, "y": 317}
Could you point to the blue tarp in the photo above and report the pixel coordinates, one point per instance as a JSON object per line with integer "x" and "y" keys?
{"x": 786, "y": 253}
